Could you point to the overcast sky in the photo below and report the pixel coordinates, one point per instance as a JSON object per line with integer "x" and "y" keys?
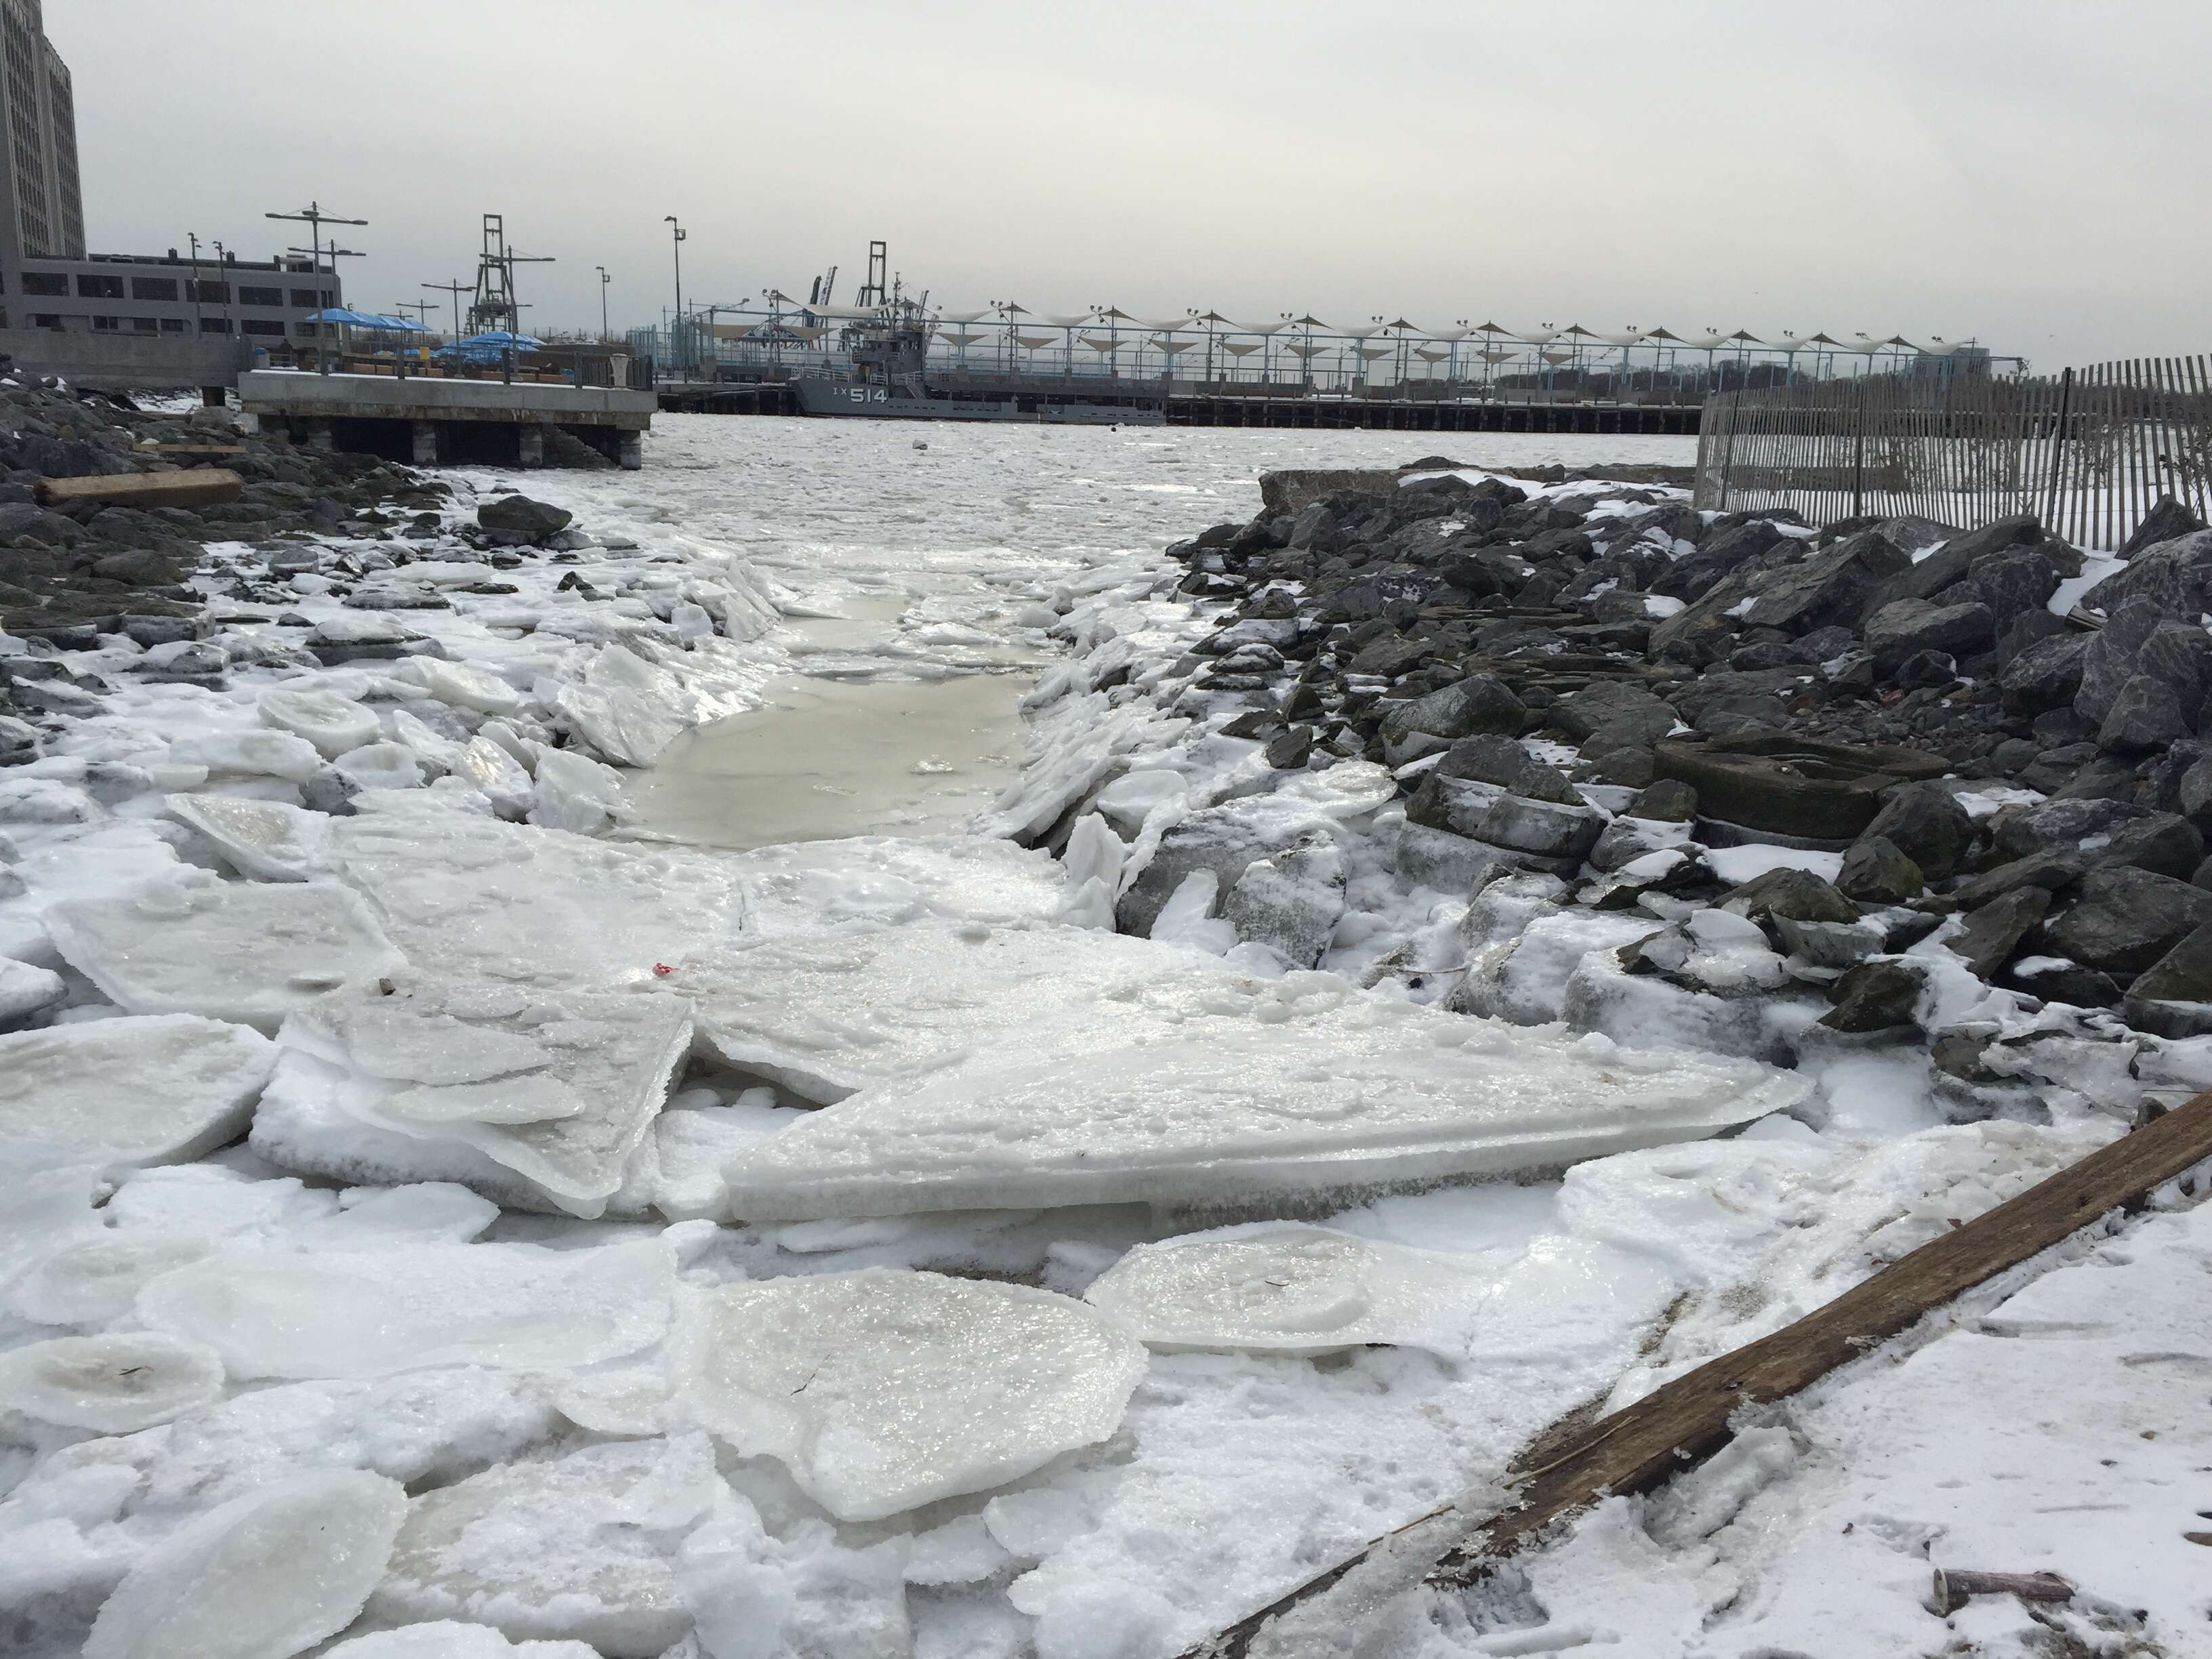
{"x": 2030, "y": 174}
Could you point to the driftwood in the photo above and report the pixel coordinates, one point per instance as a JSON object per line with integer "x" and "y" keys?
{"x": 1954, "y": 1588}
{"x": 1680, "y": 1424}
{"x": 199, "y": 486}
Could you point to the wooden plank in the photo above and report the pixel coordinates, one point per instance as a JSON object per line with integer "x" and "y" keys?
{"x": 199, "y": 486}
{"x": 1679, "y": 1424}
{"x": 206, "y": 451}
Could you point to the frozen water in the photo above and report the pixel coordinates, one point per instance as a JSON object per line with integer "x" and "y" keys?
{"x": 25, "y": 989}
{"x": 444, "y": 1639}
{"x": 262, "y": 1577}
{"x": 45, "y": 1203}
{"x": 265, "y": 840}
{"x": 400, "y": 1307}
{"x": 486, "y": 766}
{"x": 247, "y": 951}
{"x": 249, "y": 752}
{"x": 557, "y": 1087}
{"x": 580, "y": 1547}
{"x": 1205, "y": 1088}
{"x": 332, "y": 723}
{"x": 462, "y": 685}
{"x": 429, "y": 1212}
{"x": 109, "y": 1384}
{"x": 158, "y": 1089}
{"x": 824, "y": 1014}
{"x": 574, "y": 793}
{"x": 883, "y": 1390}
{"x": 97, "y": 1278}
{"x": 802, "y": 1594}
{"x": 1277, "y": 1288}
{"x": 381, "y": 766}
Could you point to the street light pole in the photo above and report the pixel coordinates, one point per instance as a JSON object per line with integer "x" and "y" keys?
{"x": 604, "y": 280}
{"x": 676, "y": 234}
{"x": 456, "y": 289}
{"x": 314, "y": 218}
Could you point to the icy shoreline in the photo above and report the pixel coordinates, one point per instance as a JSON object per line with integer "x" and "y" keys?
{"x": 591, "y": 1407}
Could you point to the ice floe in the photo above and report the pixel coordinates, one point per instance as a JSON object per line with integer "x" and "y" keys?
{"x": 150, "y": 1090}
{"x": 400, "y": 1307}
{"x": 262, "y": 1577}
{"x": 883, "y": 1390}
{"x": 1206, "y": 1090}
{"x": 248, "y": 951}
{"x": 1274, "y": 1287}
{"x": 265, "y": 840}
{"x": 443, "y": 1638}
{"x": 110, "y": 1384}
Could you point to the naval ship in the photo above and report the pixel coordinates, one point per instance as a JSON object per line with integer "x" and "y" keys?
{"x": 884, "y": 374}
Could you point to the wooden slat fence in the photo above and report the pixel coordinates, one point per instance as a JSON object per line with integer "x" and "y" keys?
{"x": 2089, "y": 451}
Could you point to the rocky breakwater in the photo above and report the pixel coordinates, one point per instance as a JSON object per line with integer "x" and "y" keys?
{"x": 1727, "y": 780}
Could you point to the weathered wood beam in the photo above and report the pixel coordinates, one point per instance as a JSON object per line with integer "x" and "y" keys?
{"x": 199, "y": 486}
{"x": 1678, "y": 1425}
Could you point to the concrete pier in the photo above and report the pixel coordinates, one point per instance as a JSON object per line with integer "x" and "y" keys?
{"x": 428, "y": 420}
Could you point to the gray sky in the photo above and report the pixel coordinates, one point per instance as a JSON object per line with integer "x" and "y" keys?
{"x": 2029, "y": 173}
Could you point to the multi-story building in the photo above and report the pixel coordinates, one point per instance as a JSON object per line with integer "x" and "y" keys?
{"x": 48, "y": 280}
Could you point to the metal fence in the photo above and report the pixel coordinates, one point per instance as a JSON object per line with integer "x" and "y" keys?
{"x": 2089, "y": 451}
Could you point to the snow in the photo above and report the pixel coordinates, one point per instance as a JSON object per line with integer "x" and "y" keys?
{"x": 84, "y": 1089}
{"x": 1737, "y": 865}
{"x": 110, "y": 1384}
{"x": 262, "y": 1577}
{"x": 885, "y": 1390}
{"x": 443, "y": 1638}
{"x": 1271, "y": 1288}
{"x": 192, "y": 944}
{"x": 1206, "y": 1088}
{"x": 374, "y": 1312}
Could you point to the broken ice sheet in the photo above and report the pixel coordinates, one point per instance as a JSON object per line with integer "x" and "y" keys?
{"x": 1206, "y": 1089}
{"x": 249, "y": 952}
{"x": 444, "y": 1639}
{"x": 558, "y": 1087}
{"x": 1276, "y": 1287}
{"x": 155, "y": 1089}
{"x": 826, "y": 1013}
{"x": 264, "y": 840}
{"x": 886, "y": 1389}
{"x": 580, "y": 1547}
{"x": 400, "y": 1308}
{"x": 262, "y": 1577}
{"x": 108, "y": 1384}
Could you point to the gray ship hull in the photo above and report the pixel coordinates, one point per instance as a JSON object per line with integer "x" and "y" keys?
{"x": 852, "y": 398}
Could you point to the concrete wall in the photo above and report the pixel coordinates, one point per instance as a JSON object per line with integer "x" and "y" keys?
{"x": 126, "y": 362}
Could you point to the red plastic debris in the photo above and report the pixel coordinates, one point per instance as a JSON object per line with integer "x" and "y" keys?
{"x": 662, "y": 971}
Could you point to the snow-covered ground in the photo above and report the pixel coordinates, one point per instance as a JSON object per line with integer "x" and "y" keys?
{"x": 856, "y": 1247}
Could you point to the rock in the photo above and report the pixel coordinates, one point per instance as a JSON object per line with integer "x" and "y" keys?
{"x": 1993, "y": 933}
{"x": 1780, "y": 784}
{"x": 2126, "y": 919}
{"x": 142, "y": 568}
{"x": 1613, "y": 709}
{"x": 1798, "y": 895}
{"x": 1479, "y": 703}
{"x": 1875, "y": 996}
{"x": 2053, "y": 770}
{"x": 2164, "y": 843}
{"x": 1291, "y": 749}
{"x": 1833, "y": 588}
{"x": 1494, "y": 814}
{"x": 329, "y": 790}
{"x": 2169, "y": 577}
{"x": 2062, "y": 726}
{"x": 2103, "y": 777}
{"x": 2183, "y": 975}
{"x": 2169, "y": 520}
{"x": 2180, "y": 655}
{"x": 20, "y": 743}
{"x": 2195, "y": 798}
{"x": 2016, "y": 582}
{"x": 1876, "y": 872}
{"x": 1670, "y": 801}
{"x": 1219, "y": 839}
{"x": 1906, "y": 627}
{"x": 2057, "y": 825}
{"x": 2053, "y": 870}
{"x": 1290, "y": 903}
{"x": 2145, "y": 716}
{"x": 515, "y": 519}
{"x": 1925, "y": 823}
{"x": 1932, "y": 669}
{"x": 1955, "y": 559}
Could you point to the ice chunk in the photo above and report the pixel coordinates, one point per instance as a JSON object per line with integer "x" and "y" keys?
{"x": 1205, "y": 1089}
{"x": 254, "y": 753}
{"x": 400, "y": 1307}
{"x": 245, "y": 951}
{"x": 444, "y": 1639}
{"x": 263, "y": 839}
{"x": 109, "y": 1384}
{"x": 381, "y": 766}
{"x": 24, "y": 989}
{"x": 45, "y": 1203}
{"x": 626, "y": 725}
{"x": 559, "y": 1088}
{"x": 463, "y": 686}
{"x": 580, "y": 1548}
{"x": 97, "y": 1278}
{"x": 332, "y": 723}
{"x": 824, "y": 1014}
{"x": 263, "y": 1576}
{"x": 802, "y": 1595}
{"x": 1136, "y": 795}
{"x": 486, "y": 766}
{"x": 1274, "y": 1287}
{"x": 886, "y": 1389}
{"x": 433, "y": 1212}
{"x": 155, "y": 1089}
{"x": 574, "y": 793}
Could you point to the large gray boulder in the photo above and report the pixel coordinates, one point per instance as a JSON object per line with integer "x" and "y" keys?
{"x": 1904, "y": 627}
{"x": 2110, "y": 659}
{"x": 2047, "y": 675}
{"x": 1832, "y": 588}
{"x": 1924, "y": 822}
{"x": 2127, "y": 919}
{"x": 1478, "y": 703}
{"x": 515, "y": 519}
{"x": 2172, "y": 576}
{"x": 1955, "y": 560}
{"x": 2145, "y": 717}
{"x": 1289, "y": 902}
{"x": 2169, "y": 520}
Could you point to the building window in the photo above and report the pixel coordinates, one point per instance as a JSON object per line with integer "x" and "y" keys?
{"x": 98, "y": 285}
{"x": 107, "y": 324}
{"x": 209, "y": 292}
{"x": 154, "y": 287}
{"x": 304, "y": 331}
{"x": 261, "y": 296}
{"x": 145, "y": 326}
{"x": 52, "y": 284}
{"x": 172, "y": 326}
{"x": 257, "y": 326}
{"x": 214, "y": 324}
{"x": 46, "y": 320}
{"x": 308, "y": 297}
